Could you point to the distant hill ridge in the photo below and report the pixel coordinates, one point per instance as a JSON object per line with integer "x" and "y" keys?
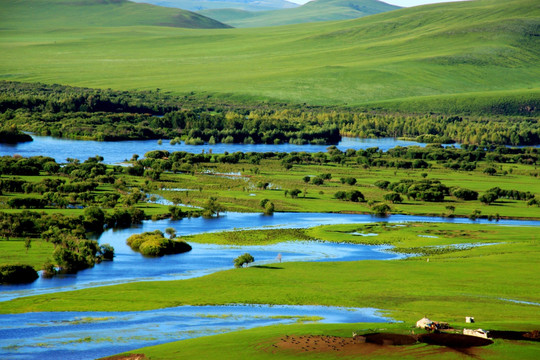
{"x": 247, "y": 5}
{"x": 313, "y": 11}
{"x": 98, "y": 13}
{"x": 456, "y": 57}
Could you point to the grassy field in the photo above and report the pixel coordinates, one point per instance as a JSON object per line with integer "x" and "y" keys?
{"x": 49, "y": 14}
{"x": 13, "y": 251}
{"x": 473, "y": 280}
{"x": 476, "y": 53}
{"x": 321, "y": 10}
{"x": 463, "y": 270}
{"x": 258, "y": 344}
{"x": 451, "y": 285}
{"x": 241, "y": 193}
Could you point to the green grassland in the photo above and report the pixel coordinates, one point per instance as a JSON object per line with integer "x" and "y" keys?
{"x": 258, "y": 344}
{"x": 320, "y": 10}
{"x": 35, "y": 15}
{"x": 476, "y": 53}
{"x": 241, "y": 193}
{"x": 13, "y": 251}
{"x": 449, "y": 286}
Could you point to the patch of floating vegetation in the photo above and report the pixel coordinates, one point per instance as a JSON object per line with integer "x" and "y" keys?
{"x": 439, "y": 249}
{"x": 299, "y": 319}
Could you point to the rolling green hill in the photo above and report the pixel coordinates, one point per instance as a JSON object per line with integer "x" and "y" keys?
{"x": 318, "y": 10}
{"x": 51, "y": 14}
{"x": 249, "y": 5}
{"x": 461, "y": 55}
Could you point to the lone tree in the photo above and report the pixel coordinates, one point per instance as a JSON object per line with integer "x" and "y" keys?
{"x": 171, "y": 232}
{"x": 27, "y": 244}
{"x": 243, "y": 260}
{"x": 211, "y": 207}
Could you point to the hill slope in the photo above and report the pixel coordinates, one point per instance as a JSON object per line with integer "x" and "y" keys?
{"x": 248, "y": 5}
{"x": 318, "y": 10}
{"x": 92, "y": 13}
{"x": 485, "y": 51}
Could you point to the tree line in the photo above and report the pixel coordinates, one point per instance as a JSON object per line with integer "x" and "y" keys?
{"x": 109, "y": 115}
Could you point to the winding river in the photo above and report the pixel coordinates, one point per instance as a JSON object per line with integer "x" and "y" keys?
{"x": 87, "y": 335}
{"x": 130, "y": 266}
{"x": 90, "y": 335}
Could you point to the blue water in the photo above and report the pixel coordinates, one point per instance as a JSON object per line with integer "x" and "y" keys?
{"x": 118, "y": 151}
{"x": 90, "y": 335}
{"x": 87, "y": 335}
{"x": 130, "y": 266}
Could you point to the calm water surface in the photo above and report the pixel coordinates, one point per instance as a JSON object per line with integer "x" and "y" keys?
{"x": 87, "y": 335}
{"x": 130, "y": 266}
{"x": 90, "y": 335}
{"x": 118, "y": 151}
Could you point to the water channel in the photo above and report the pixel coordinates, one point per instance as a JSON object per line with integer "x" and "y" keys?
{"x": 88, "y": 335}
{"x": 130, "y": 266}
{"x": 118, "y": 151}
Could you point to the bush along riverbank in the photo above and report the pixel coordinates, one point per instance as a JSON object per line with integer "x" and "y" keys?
{"x": 156, "y": 244}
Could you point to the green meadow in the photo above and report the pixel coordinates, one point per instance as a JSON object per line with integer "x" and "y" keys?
{"x": 259, "y": 344}
{"x": 471, "y": 280}
{"x": 442, "y": 55}
{"x": 321, "y": 10}
{"x": 240, "y": 193}
{"x": 471, "y": 57}
{"x": 456, "y": 282}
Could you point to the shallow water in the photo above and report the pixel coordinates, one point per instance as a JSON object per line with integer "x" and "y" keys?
{"x": 130, "y": 266}
{"x": 89, "y": 335}
{"x": 118, "y": 151}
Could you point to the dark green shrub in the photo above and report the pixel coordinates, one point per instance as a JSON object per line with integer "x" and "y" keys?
{"x": 465, "y": 194}
{"x": 17, "y": 274}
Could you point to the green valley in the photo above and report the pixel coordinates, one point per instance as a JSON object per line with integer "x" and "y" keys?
{"x": 259, "y": 179}
{"x": 320, "y": 10}
{"x": 447, "y": 57}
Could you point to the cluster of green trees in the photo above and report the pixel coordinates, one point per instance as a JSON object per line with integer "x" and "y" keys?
{"x": 12, "y": 135}
{"x": 434, "y": 190}
{"x": 423, "y": 190}
{"x": 445, "y": 129}
{"x": 257, "y": 127}
{"x": 353, "y": 195}
{"x": 117, "y": 115}
{"x": 73, "y": 252}
{"x": 156, "y": 244}
{"x": 496, "y": 193}
{"x": 17, "y": 165}
{"x": 17, "y": 274}
{"x": 267, "y": 206}
{"x": 158, "y": 161}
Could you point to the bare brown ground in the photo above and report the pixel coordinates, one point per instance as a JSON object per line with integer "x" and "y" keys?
{"x": 516, "y": 335}
{"x": 126, "y": 357}
{"x": 371, "y": 345}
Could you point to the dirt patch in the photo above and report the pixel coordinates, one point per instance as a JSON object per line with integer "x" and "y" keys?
{"x": 318, "y": 343}
{"x": 377, "y": 344}
{"x": 387, "y": 339}
{"x": 126, "y": 357}
{"x": 453, "y": 340}
{"x": 515, "y": 335}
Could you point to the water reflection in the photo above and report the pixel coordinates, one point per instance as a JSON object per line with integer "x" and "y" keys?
{"x": 90, "y": 335}
{"x": 119, "y": 151}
